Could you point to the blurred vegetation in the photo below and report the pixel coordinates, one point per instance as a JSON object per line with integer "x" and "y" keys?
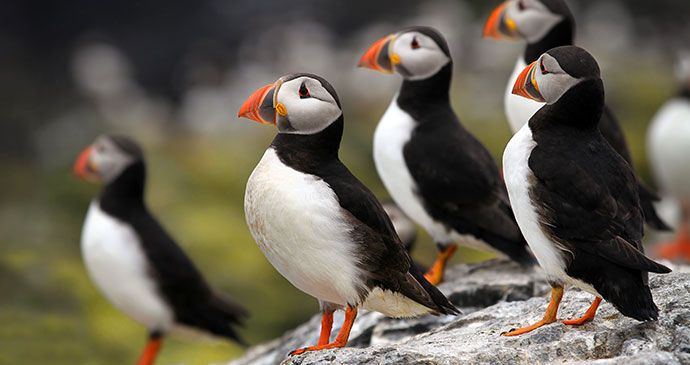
{"x": 50, "y": 312}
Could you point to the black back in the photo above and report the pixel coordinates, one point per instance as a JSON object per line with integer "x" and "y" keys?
{"x": 178, "y": 280}
{"x": 587, "y": 199}
{"x": 382, "y": 256}
{"x": 457, "y": 179}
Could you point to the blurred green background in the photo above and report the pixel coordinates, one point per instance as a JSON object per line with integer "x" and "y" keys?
{"x": 172, "y": 75}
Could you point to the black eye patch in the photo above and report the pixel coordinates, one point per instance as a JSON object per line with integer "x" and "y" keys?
{"x": 303, "y": 92}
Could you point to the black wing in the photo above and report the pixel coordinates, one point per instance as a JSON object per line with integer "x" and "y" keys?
{"x": 588, "y": 199}
{"x": 383, "y": 256}
{"x": 612, "y": 132}
{"x": 460, "y": 185}
{"x": 181, "y": 283}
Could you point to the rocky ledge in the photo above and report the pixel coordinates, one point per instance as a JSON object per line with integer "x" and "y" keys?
{"x": 494, "y": 297}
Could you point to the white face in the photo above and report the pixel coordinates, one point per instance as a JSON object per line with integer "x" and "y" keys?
{"x": 310, "y": 107}
{"x": 108, "y": 159}
{"x": 552, "y": 81}
{"x": 420, "y": 56}
{"x": 532, "y": 19}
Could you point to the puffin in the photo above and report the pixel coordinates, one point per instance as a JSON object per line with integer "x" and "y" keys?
{"x": 316, "y": 223}
{"x": 439, "y": 174}
{"x": 135, "y": 263}
{"x": 574, "y": 197}
{"x": 668, "y": 148}
{"x": 546, "y": 24}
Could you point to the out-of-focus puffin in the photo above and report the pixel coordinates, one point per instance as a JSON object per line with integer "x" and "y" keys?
{"x": 439, "y": 174}
{"x": 134, "y": 262}
{"x": 574, "y": 197}
{"x": 668, "y": 148}
{"x": 546, "y": 24}
{"x": 319, "y": 226}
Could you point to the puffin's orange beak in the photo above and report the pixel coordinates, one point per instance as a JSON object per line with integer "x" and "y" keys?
{"x": 499, "y": 25}
{"x": 526, "y": 85}
{"x": 259, "y": 106}
{"x": 84, "y": 168}
{"x": 378, "y": 58}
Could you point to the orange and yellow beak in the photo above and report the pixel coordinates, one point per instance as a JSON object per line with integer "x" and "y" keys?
{"x": 260, "y": 106}
{"x": 526, "y": 84}
{"x": 378, "y": 56}
{"x": 499, "y": 25}
{"x": 84, "y": 168}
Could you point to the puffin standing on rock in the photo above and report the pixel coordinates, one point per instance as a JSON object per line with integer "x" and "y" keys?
{"x": 439, "y": 174}
{"x": 546, "y": 24}
{"x": 668, "y": 147}
{"x": 132, "y": 259}
{"x": 319, "y": 226}
{"x": 574, "y": 197}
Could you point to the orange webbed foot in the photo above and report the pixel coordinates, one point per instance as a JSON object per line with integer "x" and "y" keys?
{"x": 588, "y": 317}
{"x": 549, "y": 316}
{"x": 435, "y": 274}
{"x": 340, "y": 341}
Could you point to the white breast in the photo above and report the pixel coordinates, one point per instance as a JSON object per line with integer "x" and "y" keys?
{"x": 668, "y": 145}
{"x": 518, "y": 109}
{"x": 298, "y": 224}
{"x": 516, "y": 173}
{"x": 392, "y": 133}
{"x": 118, "y": 266}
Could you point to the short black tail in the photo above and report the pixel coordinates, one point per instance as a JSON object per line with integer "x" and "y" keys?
{"x": 625, "y": 288}
{"x": 441, "y": 304}
{"x": 217, "y": 316}
{"x": 631, "y": 296}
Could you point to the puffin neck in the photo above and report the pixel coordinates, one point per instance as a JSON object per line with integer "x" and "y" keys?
{"x": 560, "y": 35}
{"x": 309, "y": 150}
{"x": 685, "y": 92}
{"x": 127, "y": 188}
{"x": 580, "y": 107}
{"x": 426, "y": 93}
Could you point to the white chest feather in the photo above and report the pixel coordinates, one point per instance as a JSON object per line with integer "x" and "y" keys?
{"x": 392, "y": 133}
{"x": 518, "y": 109}
{"x": 517, "y": 173}
{"x": 298, "y": 224}
{"x": 668, "y": 143}
{"x": 118, "y": 266}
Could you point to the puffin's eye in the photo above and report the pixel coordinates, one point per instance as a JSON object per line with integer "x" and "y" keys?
{"x": 521, "y": 5}
{"x": 542, "y": 68}
{"x": 414, "y": 43}
{"x": 303, "y": 92}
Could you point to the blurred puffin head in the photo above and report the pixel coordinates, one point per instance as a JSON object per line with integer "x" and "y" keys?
{"x": 107, "y": 157}
{"x": 416, "y": 53}
{"x": 531, "y": 20}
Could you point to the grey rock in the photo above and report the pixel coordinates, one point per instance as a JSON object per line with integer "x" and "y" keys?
{"x": 496, "y": 296}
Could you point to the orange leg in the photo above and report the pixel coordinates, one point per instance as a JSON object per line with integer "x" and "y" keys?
{"x": 150, "y": 351}
{"x": 435, "y": 274}
{"x": 326, "y": 325}
{"x": 678, "y": 248}
{"x": 549, "y": 316}
{"x": 340, "y": 341}
{"x": 589, "y": 315}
